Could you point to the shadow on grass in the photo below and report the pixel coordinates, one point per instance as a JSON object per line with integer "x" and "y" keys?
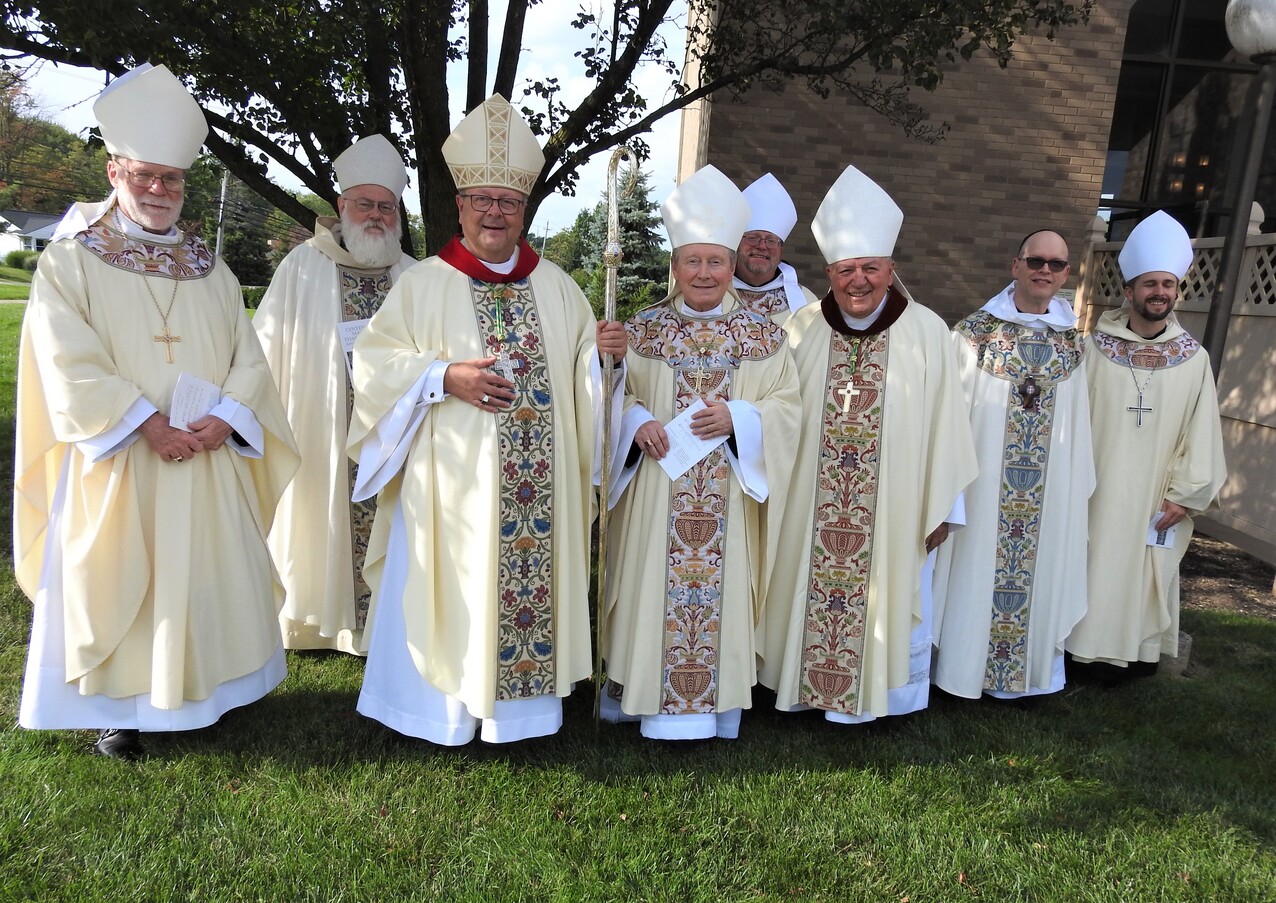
{"x": 1151, "y": 750}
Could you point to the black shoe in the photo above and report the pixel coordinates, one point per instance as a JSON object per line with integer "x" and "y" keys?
{"x": 119, "y": 743}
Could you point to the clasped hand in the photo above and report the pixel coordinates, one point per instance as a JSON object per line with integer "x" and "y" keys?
{"x": 208, "y": 433}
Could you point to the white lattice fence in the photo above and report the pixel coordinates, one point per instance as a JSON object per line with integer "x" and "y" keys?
{"x": 1102, "y": 286}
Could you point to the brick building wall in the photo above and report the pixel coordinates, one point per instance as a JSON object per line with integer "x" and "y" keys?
{"x": 1026, "y": 150}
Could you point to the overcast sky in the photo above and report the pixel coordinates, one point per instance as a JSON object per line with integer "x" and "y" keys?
{"x": 66, "y": 95}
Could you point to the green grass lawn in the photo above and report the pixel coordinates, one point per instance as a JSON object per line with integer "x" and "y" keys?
{"x": 1164, "y": 790}
{"x": 14, "y": 291}
{"x": 14, "y": 274}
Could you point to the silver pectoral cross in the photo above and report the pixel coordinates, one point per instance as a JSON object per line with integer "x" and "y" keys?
{"x": 1139, "y": 411}
{"x": 848, "y": 392}
{"x": 506, "y": 365}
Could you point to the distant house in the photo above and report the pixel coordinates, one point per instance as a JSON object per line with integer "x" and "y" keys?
{"x": 23, "y": 231}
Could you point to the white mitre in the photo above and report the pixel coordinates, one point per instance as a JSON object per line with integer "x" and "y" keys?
{"x": 371, "y": 161}
{"x": 705, "y": 209}
{"x": 1159, "y": 244}
{"x": 770, "y": 207}
{"x": 856, "y": 219}
{"x": 493, "y": 147}
{"x": 147, "y": 115}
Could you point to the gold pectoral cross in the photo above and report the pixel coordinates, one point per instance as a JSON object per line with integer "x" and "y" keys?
{"x": 701, "y": 373}
{"x": 168, "y": 339}
{"x": 848, "y": 392}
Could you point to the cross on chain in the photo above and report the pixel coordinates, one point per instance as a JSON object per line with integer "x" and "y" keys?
{"x": 1139, "y": 411}
{"x": 168, "y": 339}
{"x": 848, "y": 392}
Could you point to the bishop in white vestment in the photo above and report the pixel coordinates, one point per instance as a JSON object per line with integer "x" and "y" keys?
{"x": 141, "y": 512}
{"x": 474, "y": 426}
{"x": 766, "y": 284}
{"x": 321, "y": 296}
{"x": 689, "y": 562}
{"x": 1010, "y": 585}
{"x": 885, "y": 450}
{"x": 1158, "y": 450}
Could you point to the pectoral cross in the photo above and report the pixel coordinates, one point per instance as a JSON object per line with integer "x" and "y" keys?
{"x": 848, "y": 392}
{"x": 1139, "y": 411}
{"x": 1028, "y": 392}
{"x": 168, "y": 339}
{"x": 701, "y": 373}
{"x": 505, "y": 365}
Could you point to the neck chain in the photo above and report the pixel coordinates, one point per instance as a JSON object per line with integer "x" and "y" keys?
{"x": 1129, "y": 363}
{"x": 166, "y": 336}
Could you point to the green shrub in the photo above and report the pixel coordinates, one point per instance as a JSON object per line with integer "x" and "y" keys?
{"x": 252, "y": 295}
{"x": 32, "y": 261}
{"x": 18, "y": 259}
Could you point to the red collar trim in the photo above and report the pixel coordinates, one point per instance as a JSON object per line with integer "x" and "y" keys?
{"x": 457, "y": 255}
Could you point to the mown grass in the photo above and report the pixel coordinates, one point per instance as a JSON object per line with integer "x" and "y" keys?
{"x": 1163, "y": 790}
{"x": 15, "y": 274}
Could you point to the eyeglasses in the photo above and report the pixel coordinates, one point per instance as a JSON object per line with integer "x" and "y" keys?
{"x": 762, "y": 240}
{"x": 145, "y": 179}
{"x": 363, "y": 205}
{"x": 482, "y": 203}
{"x": 1035, "y": 263}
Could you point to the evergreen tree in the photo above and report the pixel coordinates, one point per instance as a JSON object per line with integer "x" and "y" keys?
{"x": 643, "y": 276}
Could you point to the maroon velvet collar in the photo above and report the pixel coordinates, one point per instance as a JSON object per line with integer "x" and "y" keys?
{"x": 457, "y": 255}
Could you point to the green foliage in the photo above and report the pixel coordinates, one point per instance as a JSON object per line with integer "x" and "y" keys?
{"x": 296, "y": 94}
{"x": 644, "y": 267}
{"x": 247, "y": 254}
{"x": 31, "y": 262}
{"x": 17, "y": 259}
{"x": 253, "y": 295}
{"x": 43, "y": 167}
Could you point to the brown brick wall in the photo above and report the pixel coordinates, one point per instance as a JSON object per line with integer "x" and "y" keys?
{"x": 1025, "y": 150}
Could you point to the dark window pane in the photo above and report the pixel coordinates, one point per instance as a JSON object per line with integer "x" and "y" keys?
{"x": 1149, "y": 28}
{"x": 1197, "y": 138}
{"x": 1204, "y": 36}
{"x": 1133, "y": 122}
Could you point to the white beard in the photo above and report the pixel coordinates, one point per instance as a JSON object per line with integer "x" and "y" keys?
{"x": 369, "y": 249}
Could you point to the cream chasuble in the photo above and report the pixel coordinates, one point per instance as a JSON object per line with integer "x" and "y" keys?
{"x": 778, "y": 299}
{"x": 163, "y": 586}
{"x": 1176, "y": 454}
{"x": 689, "y": 558}
{"x": 885, "y": 450}
{"x": 495, "y": 507}
{"x": 1010, "y": 585}
{"x": 320, "y": 537}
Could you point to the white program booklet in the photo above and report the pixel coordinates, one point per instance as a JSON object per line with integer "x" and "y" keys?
{"x": 1162, "y": 539}
{"x": 685, "y": 448}
{"x": 192, "y": 399}
{"x": 348, "y": 331}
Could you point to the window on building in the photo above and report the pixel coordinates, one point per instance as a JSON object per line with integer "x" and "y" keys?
{"x": 1181, "y": 91}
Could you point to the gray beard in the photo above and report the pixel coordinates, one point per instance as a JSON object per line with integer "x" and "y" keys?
{"x": 371, "y": 250}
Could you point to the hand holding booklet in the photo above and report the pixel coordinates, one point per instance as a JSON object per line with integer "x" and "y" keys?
{"x": 193, "y": 398}
{"x": 685, "y": 447}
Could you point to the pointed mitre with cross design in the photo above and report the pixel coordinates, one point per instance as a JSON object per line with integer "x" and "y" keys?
{"x": 492, "y": 147}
